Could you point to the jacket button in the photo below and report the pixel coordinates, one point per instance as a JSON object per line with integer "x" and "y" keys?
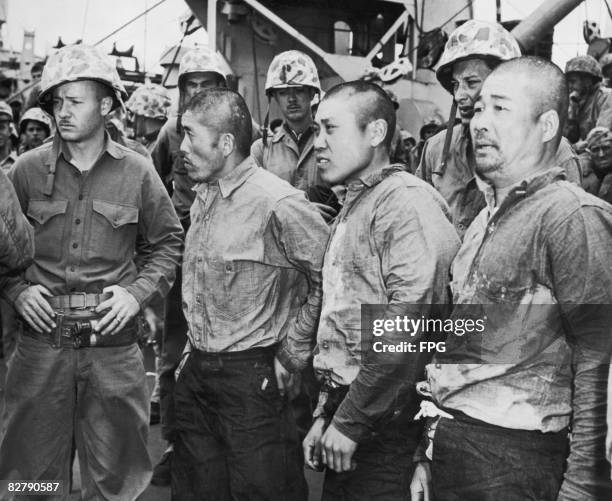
{"x": 75, "y": 245}
{"x": 228, "y": 267}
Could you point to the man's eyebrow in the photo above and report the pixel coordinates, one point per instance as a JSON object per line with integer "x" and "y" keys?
{"x": 500, "y": 96}
{"x": 325, "y": 121}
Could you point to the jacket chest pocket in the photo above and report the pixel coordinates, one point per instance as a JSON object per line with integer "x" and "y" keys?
{"x": 48, "y": 220}
{"x": 113, "y": 231}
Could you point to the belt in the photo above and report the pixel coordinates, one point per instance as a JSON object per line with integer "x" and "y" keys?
{"x": 236, "y": 356}
{"x": 74, "y": 333}
{"x": 77, "y": 301}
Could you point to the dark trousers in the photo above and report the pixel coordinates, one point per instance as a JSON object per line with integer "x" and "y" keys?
{"x": 384, "y": 464}
{"x": 475, "y": 461}
{"x": 235, "y": 436}
{"x": 173, "y": 343}
{"x": 94, "y": 396}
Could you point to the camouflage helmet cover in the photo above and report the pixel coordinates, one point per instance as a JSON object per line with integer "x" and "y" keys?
{"x": 597, "y": 136}
{"x": 79, "y": 62}
{"x": 201, "y": 60}
{"x": 292, "y": 68}
{"x": 605, "y": 61}
{"x": 584, "y": 64}
{"x": 474, "y": 38}
{"x": 36, "y": 115}
{"x": 150, "y": 101}
{"x": 5, "y": 109}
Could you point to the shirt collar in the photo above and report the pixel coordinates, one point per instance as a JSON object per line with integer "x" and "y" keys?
{"x": 523, "y": 188}
{"x": 59, "y": 147}
{"x": 236, "y": 178}
{"x": 367, "y": 181}
{"x": 373, "y": 178}
{"x": 285, "y": 130}
{"x": 10, "y": 159}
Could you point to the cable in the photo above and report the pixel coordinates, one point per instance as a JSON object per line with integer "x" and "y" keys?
{"x": 467, "y": 5}
{"x": 129, "y": 22}
{"x": 608, "y": 7}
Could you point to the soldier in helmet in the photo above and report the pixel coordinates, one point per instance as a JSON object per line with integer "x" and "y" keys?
{"x": 598, "y": 165}
{"x": 7, "y": 154}
{"x": 590, "y": 102}
{"x": 149, "y": 105}
{"x": 97, "y": 208}
{"x": 293, "y": 82}
{"x": 606, "y": 69}
{"x": 34, "y": 128}
{"x": 471, "y": 53}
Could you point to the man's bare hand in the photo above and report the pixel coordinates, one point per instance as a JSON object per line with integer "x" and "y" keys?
{"x": 122, "y": 307}
{"x": 337, "y": 450}
{"x": 35, "y": 309}
{"x": 287, "y": 382}
{"x": 326, "y": 211}
{"x": 420, "y": 486}
{"x": 312, "y": 445}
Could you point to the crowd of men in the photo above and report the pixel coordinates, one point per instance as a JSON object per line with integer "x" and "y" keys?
{"x": 252, "y": 254}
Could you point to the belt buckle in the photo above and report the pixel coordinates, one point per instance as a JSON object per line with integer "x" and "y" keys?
{"x": 84, "y": 294}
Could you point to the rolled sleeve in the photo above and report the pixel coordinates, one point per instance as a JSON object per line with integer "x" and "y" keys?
{"x": 586, "y": 302}
{"x": 301, "y": 234}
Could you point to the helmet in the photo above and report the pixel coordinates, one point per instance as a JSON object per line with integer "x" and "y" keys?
{"x": 36, "y": 115}
{"x": 475, "y": 39}
{"x": 201, "y": 60}
{"x": 606, "y": 60}
{"x": 5, "y": 109}
{"x": 292, "y": 69}
{"x": 584, "y": 64}
{"x": 598, "y": 135}
{"x": 151, "y": 101}
{"x": 79, "y": 62}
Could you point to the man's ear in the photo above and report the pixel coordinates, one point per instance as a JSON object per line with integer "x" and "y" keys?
{"x": 549, "y": 121}
{"x": 228, "y": 144}
{"x": 377, "y": 131}
{"x": 106, "y": 105}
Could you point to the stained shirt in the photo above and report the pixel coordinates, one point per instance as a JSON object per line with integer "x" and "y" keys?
{"x": 537, "y": 269}
{"x": 457, "y": 184}
{"x": 392, "y": 243}
{"x": 86, "y": 230}
{"x": 252, "y": 266}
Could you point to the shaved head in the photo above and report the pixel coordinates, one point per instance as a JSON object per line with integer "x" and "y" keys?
{"x": 545, "y": 85}
{"x": 224, "y": 111}
{"x": 368, "y": 102}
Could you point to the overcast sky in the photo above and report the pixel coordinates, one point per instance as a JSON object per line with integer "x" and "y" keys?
{"x": 94, "y": 19}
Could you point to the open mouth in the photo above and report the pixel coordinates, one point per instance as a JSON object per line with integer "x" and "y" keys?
{"x": 322, "y": 161}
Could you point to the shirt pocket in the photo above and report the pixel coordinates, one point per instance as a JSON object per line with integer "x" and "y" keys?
{"x": 48, "y": 223}
{"x": 113, "y": 231}
{"x": 240, "y": 287}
